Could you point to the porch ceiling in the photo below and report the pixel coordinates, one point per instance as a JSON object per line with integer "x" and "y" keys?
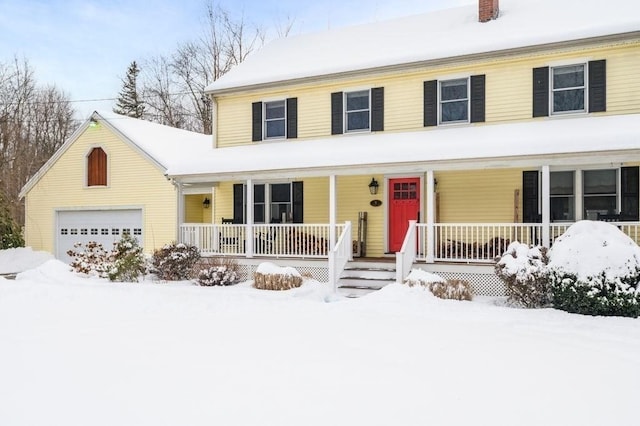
{"x": 550, "y": 141}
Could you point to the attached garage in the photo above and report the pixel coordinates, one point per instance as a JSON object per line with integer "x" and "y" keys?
{"x": 102, "y": 226}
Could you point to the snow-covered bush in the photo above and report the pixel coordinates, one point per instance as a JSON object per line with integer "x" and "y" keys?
{"x": 217, "y": 271}
{"x": 272, "y": 277}
{"x": 594, "y": 269}
{"x": 128, "y": 261}
{"x": 523, "y": 270}
{"x": 438, "y": 286}
{"x": 91, "y": 259}
{"x": 175, "y": 262}
{"x": 452, "y": 289}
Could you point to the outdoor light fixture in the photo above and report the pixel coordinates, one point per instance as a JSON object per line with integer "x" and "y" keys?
{"x": 373, "y": 186}
{"x": 206, "y": 203}
{"x": 93, "y": 122}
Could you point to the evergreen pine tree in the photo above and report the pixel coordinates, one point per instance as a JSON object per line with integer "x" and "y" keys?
{"x": 10, "y": 233}
{"x": 129, "y": 102}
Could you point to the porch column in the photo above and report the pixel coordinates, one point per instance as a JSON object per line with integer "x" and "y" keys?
{"x": 249, "y": 215}
{"x": 332, "y": 211}
{"x": 180, "y": 213}
{"x": 546, "y": 207}
{"x": 431, "y": 215}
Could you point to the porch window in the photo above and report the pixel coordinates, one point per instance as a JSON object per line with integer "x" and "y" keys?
{"x": 357, "y": 110}
{"x": 600, "y": 188}
{"x": 562, "y": 196}
{"x": 274, "y": 119}
{"x": 568, "y": 89}
{"x": 454, "y": 101}
{"x": 274, "y": 199}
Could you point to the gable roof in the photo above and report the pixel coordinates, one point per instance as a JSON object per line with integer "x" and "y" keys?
{"x": 554, "y": 141}
{"x": 431, "y": 36}
{"x": 163, "y": 146}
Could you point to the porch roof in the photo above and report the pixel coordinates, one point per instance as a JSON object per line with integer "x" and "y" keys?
{"x": 550, "y": 141}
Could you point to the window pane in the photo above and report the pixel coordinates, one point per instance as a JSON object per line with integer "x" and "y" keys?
{"x": 258, "y": 193}
{"x": 562, "y": 208}
{"x": 280, "y": 192}
{"x": 453, "y": 89}
{"x": 561, "y": 183}
{"x": 274, "y": 110}
{"x": 258, "y": 213}
{"x": 454, "y": 111}
{"x": 571, "y": 76}
{"x": 603, "y": 204}
{"x": 358, "y": 100}
{"x": 280, "y": 213}
{"x": 568, "y": 100}
{"x": 275, "y": 129}
{"x": 600, "y": 182}
{"x": 358, "y": 120}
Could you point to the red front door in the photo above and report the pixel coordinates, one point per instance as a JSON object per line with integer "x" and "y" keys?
{"x": 404, "y": 205}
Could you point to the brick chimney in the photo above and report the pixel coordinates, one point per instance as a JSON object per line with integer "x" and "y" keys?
{"x": 487, "y": 10}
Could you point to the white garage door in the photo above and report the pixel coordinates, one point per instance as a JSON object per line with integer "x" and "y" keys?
{"x": 103, "y": 226}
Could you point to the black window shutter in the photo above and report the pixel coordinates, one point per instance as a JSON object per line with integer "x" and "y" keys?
{"x": 630, "y": 192}
{"x": 377, "y": 109}
{"x": 477, "y": 98}
{"x": 430, "y": 101}
{"x": 238, "y": 203}
{"x": 298, "y": 202}
{"x": 292, "y": 118}
{"x": 598, "y": 86}
{"x": 336, "y": 113}
{"x": 541, "y": 92}
{"x": 256, "y": 134}
{"x": 530, "y": 197}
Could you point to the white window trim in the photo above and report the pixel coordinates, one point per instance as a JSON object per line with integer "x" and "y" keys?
{"x": 264, "y": 120}
{"x": 585, "y": 109}
{"x": 345, "y": 115}
{"x": 458, "y": 122}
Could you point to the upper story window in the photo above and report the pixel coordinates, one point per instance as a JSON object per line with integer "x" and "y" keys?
{"x": 568, "y": 89}
{"x": 97, "y": 167}
{"x": 274, "y": 119}
{"x": 356, "y": 111}
{"x": 454, "y": 101}
{"x": 460, "y": 100}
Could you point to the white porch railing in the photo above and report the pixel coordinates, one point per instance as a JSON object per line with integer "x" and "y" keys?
{"x": 408, "y": 253}
{"x": 271, "y": 240}
{"x": 340, "y": 255}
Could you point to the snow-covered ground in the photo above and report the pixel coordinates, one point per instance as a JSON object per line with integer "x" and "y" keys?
{"x": 80, "y": 351}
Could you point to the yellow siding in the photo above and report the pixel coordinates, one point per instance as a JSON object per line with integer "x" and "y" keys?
{"x": 508, "y": 92}
{"x": 479, "y": 196}
{"x": 133, "y": 182}
{"x": 194, "y": 211}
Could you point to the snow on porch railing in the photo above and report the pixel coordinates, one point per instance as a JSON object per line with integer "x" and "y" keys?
{"x": 407, "y": 254}
{"x": 475, "y": 242}
{"x": 340, "y": 255}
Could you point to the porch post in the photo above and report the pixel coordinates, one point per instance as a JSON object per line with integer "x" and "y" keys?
{"x": 546, "y": 208}
{"x": 333, "y": 280}
{"x": 431, "y": 214}
{"x": 180, "y": 213}
{"x": 249, "y": 215}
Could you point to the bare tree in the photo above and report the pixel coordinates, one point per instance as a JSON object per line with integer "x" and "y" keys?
{"x": 174, "y": 87}
{"x": 34, "y": 123}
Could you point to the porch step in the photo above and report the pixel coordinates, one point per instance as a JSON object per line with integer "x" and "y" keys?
{"x": 8, "y": 276}
{"x": 359, "y": 279}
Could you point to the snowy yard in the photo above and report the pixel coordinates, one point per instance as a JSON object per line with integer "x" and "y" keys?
{"x": 78, "y": 351}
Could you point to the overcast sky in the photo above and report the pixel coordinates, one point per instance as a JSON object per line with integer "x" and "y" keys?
{"x": 85, "y": 46}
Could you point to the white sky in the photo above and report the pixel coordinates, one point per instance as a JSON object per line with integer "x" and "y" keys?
{"x": 85, "y": 46}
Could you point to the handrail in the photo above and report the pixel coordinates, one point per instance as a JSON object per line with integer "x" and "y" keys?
{"x": 340, "y": 255}
{"x": 407, "y": 254}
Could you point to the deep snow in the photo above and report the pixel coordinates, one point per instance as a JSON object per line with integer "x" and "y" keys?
{"x": 83, "y": 351}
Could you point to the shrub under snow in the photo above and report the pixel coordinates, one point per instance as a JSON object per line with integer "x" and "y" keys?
{"x": 594, "y": 269}
{"x": 175, "y": 262}
{"x": 438, "y": 286}
{"x": 216, "y": 271}
{"x": 523, "y": 270}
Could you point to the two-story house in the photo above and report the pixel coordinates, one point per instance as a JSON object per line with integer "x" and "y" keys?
{"x": 483, "y": 124}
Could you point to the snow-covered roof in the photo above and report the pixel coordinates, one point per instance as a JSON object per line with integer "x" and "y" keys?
{"x": 431, "y": 36}
{"x": 469, "y": 146}
{"x": 164, "y": 146}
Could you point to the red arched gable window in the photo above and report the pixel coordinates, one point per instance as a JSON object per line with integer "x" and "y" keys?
{"x": 97, "y": 168}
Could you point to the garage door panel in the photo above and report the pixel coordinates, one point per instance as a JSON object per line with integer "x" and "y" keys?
{"x": 102, "y": 226}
